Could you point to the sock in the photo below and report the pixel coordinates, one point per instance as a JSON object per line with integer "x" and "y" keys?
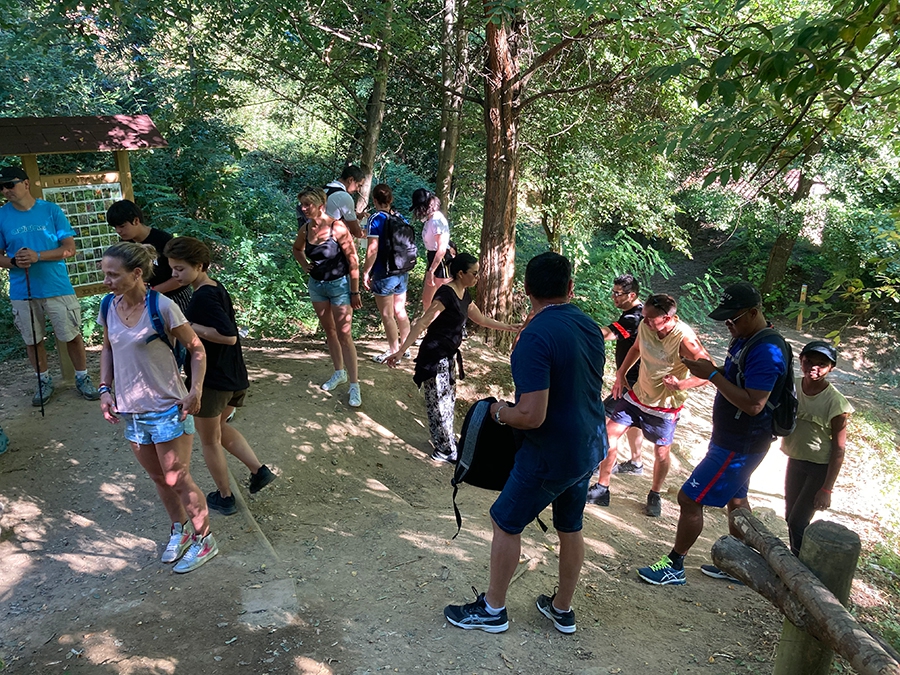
{"x": 654, "y": 493}
{"x": 491, "y": 610}
{"x": 80, "y": 373}
{"x": 677, "y": 560}
{"x": 561, "y": 611}
{"x": 45, "y": 376}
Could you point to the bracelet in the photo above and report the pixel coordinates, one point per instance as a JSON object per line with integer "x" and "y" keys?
{"x": 712, "y": 375}
{"x": 103, "y": 389}
{"x": 104, "y": 384}
{"x": 827, "y": 492}
{"x": 354, "y": 292}
{"x": 39, "y": 256}
{"x": 12, "y": 262}
{"x": 497, "y": 416}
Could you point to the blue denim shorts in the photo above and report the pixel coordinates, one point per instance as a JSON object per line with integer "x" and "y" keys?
{"x": 658, "y": 429}
{"x": 156, "y": 427}
{"x": 721, "y": 476}
{"x": 525, "y": 496}
{"x": 392, "y": 285}
{"x": 336, "y": 291}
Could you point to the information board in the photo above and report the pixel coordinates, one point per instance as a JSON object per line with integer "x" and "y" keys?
{"x": 85, "y": 206}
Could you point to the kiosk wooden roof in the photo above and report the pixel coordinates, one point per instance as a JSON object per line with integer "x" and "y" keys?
{"x": 55, "y": 135}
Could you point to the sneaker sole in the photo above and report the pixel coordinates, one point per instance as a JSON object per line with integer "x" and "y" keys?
{"x": 568, "y": 630}
{"x": 176, "y": 558}
{"x": 670, "y": 582}
{"x": 443, "y": 460}
{"x": 223, "y": 510}
{"x": 721, "y": 577}
{"x": 487, "y": 629}
{"x": 651, "y": 514}
{"x": 198, "y": 563}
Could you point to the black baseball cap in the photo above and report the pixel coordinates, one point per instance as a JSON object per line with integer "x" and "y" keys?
{"x": 826, "y": 349}
{"x": 8, "y": 173}
{"x": 735, "y": 298}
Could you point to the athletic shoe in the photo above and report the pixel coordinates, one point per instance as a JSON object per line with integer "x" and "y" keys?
{"x": 662, "y": 573}
{"x": 598, "y": 495}
{"x": 629, "y": 467}
{"x": 439, "y": 456}
{"x": 564, "y": 621}
{"x": 475, "y": 616}
{"x": 716, "y": 573}
{"x": 407, "y": 354}
{"x": 260, "y": 479}
{"x": 355, "y": 396}
{"x": 231, "y": 416}
{"x": 339, "y": 377}
{"x": 201, "y": 551}
{"x": 43, "y": 393}
{"x": 86, "y": 388}
{"x": 381, "y": 358}
{"x": 654, "y": 505}
{"x": 179, "y": 542}
{"x": 224, "y": 505}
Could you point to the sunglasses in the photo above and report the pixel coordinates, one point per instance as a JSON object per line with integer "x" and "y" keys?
{"x": 10, "y": 185}
{"x": 734, "y": 320}
{"x": 616, "y": 294}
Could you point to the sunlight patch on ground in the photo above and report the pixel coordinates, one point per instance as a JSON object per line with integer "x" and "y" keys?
{"x": 115, "y": 492}
{"x": 440, "y": 545}
{"x": 90, "y": 564}
{"x": 863, "y": 594}
{"x": 605, "y": 515}
{"x": 15, "y": 567}
{"x": 601, "y": 547}
{"x": 308, "y": 666}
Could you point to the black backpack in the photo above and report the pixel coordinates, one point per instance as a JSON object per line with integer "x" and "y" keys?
{"x": 398, "y": 241}
{"x": 783, "y": 399}
{"x": 331, "y": 189}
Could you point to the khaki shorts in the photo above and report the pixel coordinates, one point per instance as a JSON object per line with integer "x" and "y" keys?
{"x": 63, "y": 311}
{"x": 214, "y": 402}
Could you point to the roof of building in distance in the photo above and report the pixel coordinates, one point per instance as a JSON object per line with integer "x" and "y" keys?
{"x": 55, "y": 135}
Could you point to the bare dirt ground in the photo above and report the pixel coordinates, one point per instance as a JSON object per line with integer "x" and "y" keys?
{"x": 344, "y": 564}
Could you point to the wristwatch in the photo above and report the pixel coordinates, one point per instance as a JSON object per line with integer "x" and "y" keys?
{"x": 497, "y": 416}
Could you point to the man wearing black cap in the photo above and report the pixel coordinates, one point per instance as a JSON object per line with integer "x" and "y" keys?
{"x": 35, "y": 239}
{"x": 742, "y": 427}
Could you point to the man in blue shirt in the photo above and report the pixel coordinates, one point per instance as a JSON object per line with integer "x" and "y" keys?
{"x": 35, "y": 239}
{"x": 557, "y": 367}
{"x": 741, "y": 433}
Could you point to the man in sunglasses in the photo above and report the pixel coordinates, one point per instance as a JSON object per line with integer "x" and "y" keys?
{"x": 741, "y": 428}
{"x": 35, "y": 236}
{"x": 654, "y": 403}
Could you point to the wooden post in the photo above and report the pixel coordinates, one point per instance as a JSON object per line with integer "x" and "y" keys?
{"x": 831, "y": 552}
{"x": 802, "y": 305}
{"x": 123, "y": 166}
{"x": 30, "y": 165}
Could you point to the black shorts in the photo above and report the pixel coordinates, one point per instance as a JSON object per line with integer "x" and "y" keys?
{"x": 443, "y": 270}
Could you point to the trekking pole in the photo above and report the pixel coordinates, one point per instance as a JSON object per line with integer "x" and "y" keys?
{"x": 37, "y": 359}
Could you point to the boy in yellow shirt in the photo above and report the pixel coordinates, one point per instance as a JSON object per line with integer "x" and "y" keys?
{"x": 816, "y": 447}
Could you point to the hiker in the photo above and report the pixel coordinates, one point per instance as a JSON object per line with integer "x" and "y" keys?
{"x": 389, "y": 289}
{"x": 623, "y": 330}
{"x": 35, "y": 239}
{"x": 426, "y": 207}
{"x": 741, "y": 429}
{"x": 816, "y": 447}
{"x": 325, "y": 250}
{"x": 654, "y": 403}
{"x": 439, "y": 353}
{"x": 557, "y": 367}
{"x": 339, "y": 203}
{"x": 211, "y": 315}
{"x": 142, "y": 387}
{"x": 127, "y": 219}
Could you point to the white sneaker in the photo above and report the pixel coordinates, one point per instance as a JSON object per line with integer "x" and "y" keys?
{"x": 179, "y": 542}
{"x": 200, "y": 551}
{"x": 381, "y": 358}
{"x": 355, "y": 398}
{"x": 339, "y": 377}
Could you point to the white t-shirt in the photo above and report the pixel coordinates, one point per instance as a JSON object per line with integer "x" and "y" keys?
{"x": 146, "y": 376}
{"x": 340, "y": 204}
{"x": 434, "y": 227}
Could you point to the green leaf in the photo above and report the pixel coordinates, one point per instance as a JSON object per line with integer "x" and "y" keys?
{"x": 704, "y": 92}
{"x": 721, "y": 65}
{"x": 845, "y": 77}
{"x": 728, "y": 91}
{"x": 709, "y": 179}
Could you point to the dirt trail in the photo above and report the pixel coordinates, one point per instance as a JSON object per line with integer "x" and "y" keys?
{"x": 345, "y": 563}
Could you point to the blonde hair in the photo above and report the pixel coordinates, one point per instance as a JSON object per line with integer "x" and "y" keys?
{"x": 314, "y": 194}
{"x": 134, "y": 256}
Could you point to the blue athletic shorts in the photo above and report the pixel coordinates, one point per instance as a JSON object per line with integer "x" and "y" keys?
{"x": 156, "y": 427}
{"x": 721, "y": 476}
{"x": 336, "y": 291}
{"x": 658, "y": 427}
{"x": 525, "y": 496}
{"x": 392, "y": 285}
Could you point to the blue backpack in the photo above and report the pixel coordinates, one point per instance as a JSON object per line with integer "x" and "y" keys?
{"x": 152, "y": 302}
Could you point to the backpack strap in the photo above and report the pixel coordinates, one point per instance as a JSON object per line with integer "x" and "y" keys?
{"x": 152, "y": 301}
{"x": 769, "y": 336}
{"x": 105, "y": 304}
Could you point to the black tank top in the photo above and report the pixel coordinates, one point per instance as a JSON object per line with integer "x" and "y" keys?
{"x": 327, "y": 259}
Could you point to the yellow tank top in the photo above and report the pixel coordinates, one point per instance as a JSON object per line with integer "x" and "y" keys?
{"x": 658, "y": 359}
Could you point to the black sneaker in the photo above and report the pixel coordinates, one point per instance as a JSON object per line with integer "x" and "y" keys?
{"x": 629, "y": 467}
{"x": 654, "y": 505}
{"x": 224, "y": 505}
{"x": 564, "y": 621}
{"x": 597, "y": 494}
{"x": 716, "y": 573}
{"x": 260, "y": 479}
{"x": 475, "y": 615}
{"x": 439, "y": 456}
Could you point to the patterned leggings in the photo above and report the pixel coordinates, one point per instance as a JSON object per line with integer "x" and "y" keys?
{"x": 440, "y": 401}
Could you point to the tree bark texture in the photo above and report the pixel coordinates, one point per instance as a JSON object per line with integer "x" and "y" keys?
{"x": 827, "y": 619}
{"x": 501, "y": 121}
{"x": 454, "y": 57}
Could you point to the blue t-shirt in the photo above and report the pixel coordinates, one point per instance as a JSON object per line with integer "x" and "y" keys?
{"x": 562, "y": 350}
{"x": 40, "y": 228}
{"x": 376, "y": 223}
{"x": 735, "y": 430}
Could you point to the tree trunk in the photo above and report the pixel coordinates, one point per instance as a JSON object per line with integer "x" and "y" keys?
{"x": 375, "y": 109}
{"x": 454, "y": 56}
{"x": 498, "y": 231}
